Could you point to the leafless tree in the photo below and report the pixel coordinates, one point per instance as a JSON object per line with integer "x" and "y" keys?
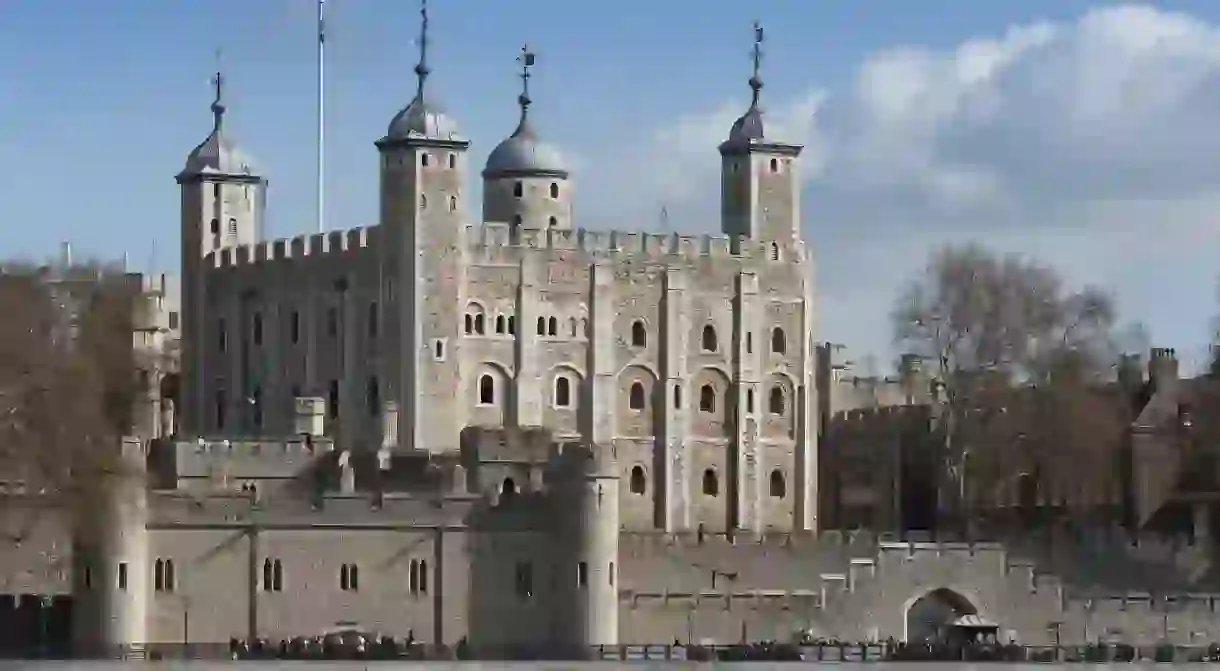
{"x": 68, "y": 379}
{"x": 1019, "y": 358}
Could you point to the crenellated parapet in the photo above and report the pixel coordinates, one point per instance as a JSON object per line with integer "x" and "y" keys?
{"x": 239, "y": 458}
{"x": 330, "y": 244}
{"x": 496, "y": 242}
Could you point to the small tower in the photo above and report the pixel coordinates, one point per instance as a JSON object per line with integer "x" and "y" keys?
{"x": 525, "y": 182}
{"x": 223, "y": 200}
{"x": 588, "y": 514}
{"x": 110, "y": 552}
{"x": 423, "y": 158}
{"x": 759, "y": 187}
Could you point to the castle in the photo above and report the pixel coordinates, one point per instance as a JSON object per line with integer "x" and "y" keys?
{"x": 521, "y": 433}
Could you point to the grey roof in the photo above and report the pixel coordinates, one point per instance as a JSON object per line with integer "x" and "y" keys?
{"x": 218, "y": 155}
{"x": 524, "y": 153}
{"x": 423, "y": 121}
{"x": 748, "y": 127}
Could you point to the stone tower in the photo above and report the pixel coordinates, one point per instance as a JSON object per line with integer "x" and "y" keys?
{"x": 110, "y": 553}
{"x": 759, "y": 188}
{"x": 525, "y": 182}
{"x": 423, "y": 159}
{"x": 223, "y": 200}
{"x": 589, "y": 517}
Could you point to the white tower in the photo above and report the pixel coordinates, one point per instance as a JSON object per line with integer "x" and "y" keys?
{"x": 525, "y": 182}
{"x": 590, "y": 527}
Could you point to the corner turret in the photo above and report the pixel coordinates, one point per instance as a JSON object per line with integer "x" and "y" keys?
{"x": 525, "y": 180}
{"x": 760, "y": 187}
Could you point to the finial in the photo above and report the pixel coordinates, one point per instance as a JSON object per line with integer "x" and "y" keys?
{"x": 756, "y": 83}
{"x": 218, "y": 106}
{"x": 526, "y": 59}
{"x": 421, "y": 69}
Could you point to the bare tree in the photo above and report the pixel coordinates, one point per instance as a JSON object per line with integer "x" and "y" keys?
{"x": 1018, "y": 357}
{"x": 68, "y": 379}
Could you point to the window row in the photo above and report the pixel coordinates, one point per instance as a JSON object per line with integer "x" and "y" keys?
{"x": 551, "y": 222}
{"x": 477, "y": 323}
{"x": 563, "y": 391}
{"x": 425, "y": 159}
{"x": 777, "y": 401}
{"x": 163, "y": 575}
{"x": 334, "y": 318}
{"x": 349, "y": 576}
{"x": 519, "y": 190}
{"x": 255, "y": 402}
{"x": 709, "y": 341}
{"x": 423, "y": 202}
{"x": 638, "y": 483}
{"x": 523, "y": 577}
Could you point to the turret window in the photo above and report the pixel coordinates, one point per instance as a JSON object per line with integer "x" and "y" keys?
{"x": 709, "y": 341}
{"x": 273, "y": 575}
{"x": 582, "y": 574}
{"x": 552, "y": 222}
{"x": 779, "y": 488}
{"x": 542, "y": 326}
{"x": 778, "y": 342}
{"x": 554, "y": 190}
{"x": 774, "y": 165}
{"x": 636, "y": 398}
{"x": 418, "y": 577}
{"x": 711, "y": 483}
{"x": 749, "y": 401}
{"x": 707, "y": 398}
{"x": 349, "y": 578}
{"x": 453, "y": 203}
{"x": 487, "y": 390}
{"x": 639, "y": 334}
{"x": 452, "y": 161}
{"x": 215, "y": 227}
{"x": 500, "y": 324}
{"x": 516, "y": 221}
{"x": 122, "y": 576}
{"x": 552, "y": 327}
{"x": 518, "y": 189}
{"x": 423, "y": 159}
{"x": 639, "y": 482}
{"x": 163, "y": 575}
{"x": 563, "y": 392}
{"x": 777, "y": 402}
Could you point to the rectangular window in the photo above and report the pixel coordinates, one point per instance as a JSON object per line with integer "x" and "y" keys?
{"x": 123, "y": 575}
{"x": 295, "y": 327}
{"x": 332, "y": 400}
{"x": 222, "y": 342}
{"x": 173, "y": 320}
{"x": 582, "y": 574}
{"x": 374, "y": 316}
{"x": 257, "y": 329}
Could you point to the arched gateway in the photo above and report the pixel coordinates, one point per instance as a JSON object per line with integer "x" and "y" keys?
{"x": 945, "y": 615}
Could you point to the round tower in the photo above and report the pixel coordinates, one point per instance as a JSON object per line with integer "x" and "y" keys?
{"x": 110, "y": 553}
{"x": 525, "y": 180}
{"x": 590, "y": 509}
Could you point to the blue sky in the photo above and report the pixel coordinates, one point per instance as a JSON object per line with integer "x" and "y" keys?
{"x": 1086, "y": 134}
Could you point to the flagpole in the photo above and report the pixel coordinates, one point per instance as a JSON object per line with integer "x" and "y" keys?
{"x": 321, "y": 117}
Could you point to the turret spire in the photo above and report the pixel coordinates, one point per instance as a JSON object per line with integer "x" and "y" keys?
{"x": 421, "y": 68}
{"x": 756, "y": 83}
{"x": 218, "y": 106}
{"x": 527, "y": 61}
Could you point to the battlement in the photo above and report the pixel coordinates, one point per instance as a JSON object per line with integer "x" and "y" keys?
{"x": 357, "y": 510}
{"x": 864, "y": 418}
{"x": 301, "y": 246}
{"x": 492, "y": 240}
{"x": 531, "y": 445}
{"x": 248, "y": 459}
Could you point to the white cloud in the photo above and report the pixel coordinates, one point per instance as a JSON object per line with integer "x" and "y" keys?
{"x": 1093, "y": 144}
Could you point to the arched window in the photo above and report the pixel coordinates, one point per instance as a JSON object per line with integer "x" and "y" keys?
{"x": 453, "y": 203}
{"x": 749, "y": 400}
{"x": 423, "y": 201}
{"x": 776, "y": 402}
{"x": 479, "y": 326}
{"x": 423, "y": 159}
{"x": 639, "y": 483}
{"x": 774, "y": 165}
{"x": 353, "y": 577}
{"x": 639, "y": 334}
{"x": 554, "y": 190}
{"x": 709, "y": 338}
{"x": 636, "y": 398}
{"x": 711, "y": 483}
{"x": 343, "y": 579}
{"x": 469, "y": 324}
{"x": 508, "y": 488}
{"x": 452, "y": 161}
{"x": 552, "y": 327}
{"x": 413, "y": 577}
{"x": 552, "y": 222}
{"x": 563, "y": 392}
{"x": 542, "y": 326}
{"x": 215, "y": 227}
{"x": 707, "y": 398}
{"x": 516, "y": 221}
{"x": 778, "y": 342}
{"x": 518, "y": 189}
{"x": 779, "y": 488}
{"x": 487, "y": 390}
{"x": 423, "y": 576}
{"x": 277, "y": 576}
{"x": 678, "y": 396}
{"x": 267, "y": 577}
{"x": 159, "y": 575}
{"x": 499, "y": 323}
{"x": 774, "y": 251}
{"x": 170, "y": 578}
{"x": 573, "y": 327}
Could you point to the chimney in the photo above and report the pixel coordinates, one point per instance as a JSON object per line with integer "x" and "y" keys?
{"x": 1130, "y": 373}
{"x": 1162, "y": 368}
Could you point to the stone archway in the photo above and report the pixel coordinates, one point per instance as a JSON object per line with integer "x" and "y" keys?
{"x": 927, "y": 615}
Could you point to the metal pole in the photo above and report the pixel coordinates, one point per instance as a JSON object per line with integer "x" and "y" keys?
{"x": 321, "y": 117}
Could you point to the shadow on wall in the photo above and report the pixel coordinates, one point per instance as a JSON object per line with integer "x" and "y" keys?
{"x": 931, "y": 613}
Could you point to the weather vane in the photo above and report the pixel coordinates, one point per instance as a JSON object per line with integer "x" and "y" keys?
{"x": 218, "y": 107}
{"x": 756, "y": 78}
{"x": 527, "y": 61}
{"x": 421, "y": 69}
